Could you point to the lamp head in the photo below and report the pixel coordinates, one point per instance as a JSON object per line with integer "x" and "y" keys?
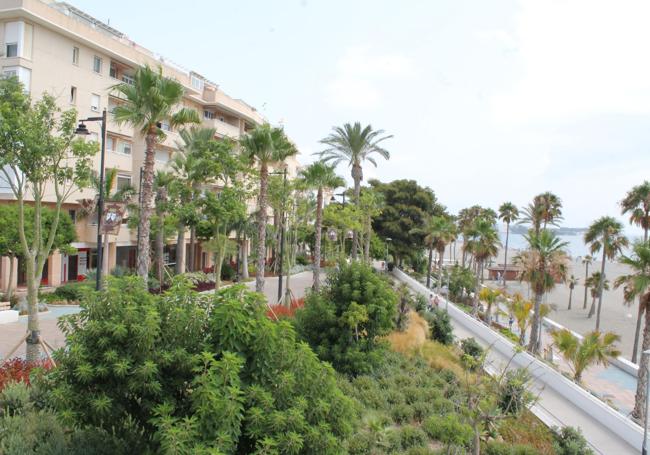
{"x": 82, "y": 129}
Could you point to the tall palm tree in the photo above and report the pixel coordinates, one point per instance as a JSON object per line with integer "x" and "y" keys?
{"x": 490, "y": 297}
{"x": 520, "y": 309}
{"x": 508, "y": 212}
{"x": 543, "y": 264}
{"x": 587, "y": 261}
{"x": 354, "y": 144}
{"x": 265, "y": 145}
{"x": 593, "y": 283}
{"x": 637, "y": 204}
{"x": 595, "y": 348}
{"x": 150, "y": 100}
{"x": 483, "y": 242}
{"x": 637, "y": 284}
{"x": 438, "y": 232}
{"x": 320, "y": 176}
{"x": 572, "y": 281}
{"x": 545, "y": 209}
{"x": 606, "y": 234}
{"x": 161, "y": 184}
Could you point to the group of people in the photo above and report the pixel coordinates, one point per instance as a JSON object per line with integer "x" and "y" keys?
{"x": 434, "y": 302}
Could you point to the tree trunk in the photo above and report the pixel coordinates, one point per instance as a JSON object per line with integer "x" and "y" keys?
{"x": 160, "y": 253}
{"x": 33, "y": 350}
{"x": 217, "y": 267}
{"x": 584, "y": 304}
{"x": 191, "y": 260}
{"x": 570, "y": 297}
{"x": 592, "y": 310}
{"x": 244, "y": 258}
{"x": 600, "y": 288}
{"x": 430, "y": 263}
{"x": 637, "y": 331}
{"x": 505, "y": 254}
{"x": 10, "y": 288}
{"x": 441, "y": 255}
{"x": 639, "y": 400}
{"x": 366, "y": 246}
{"x": 145, "y": 207}
{"x": 180, "y": 249}
{"x": 533, "y": 345}
{"x": 357, "y": 176}
{"x": 476, "y": 292}
{"x": 476, "y": 449}
{"x": 318, "y": 234}
{"x": 106, "y": 256}
{"x": 261, "y": 228}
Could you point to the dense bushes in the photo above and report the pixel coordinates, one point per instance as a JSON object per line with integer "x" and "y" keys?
{"x": 344, "y": 322}
{"x": 440, "y": 326}
{"x": 193, "y": 373}
{"x": 19, "y": 370}
{"x": 72, "y": 292}
{"x": 569, "y": 441}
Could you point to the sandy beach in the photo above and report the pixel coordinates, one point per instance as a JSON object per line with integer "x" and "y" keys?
{"x": 616, "y": 316}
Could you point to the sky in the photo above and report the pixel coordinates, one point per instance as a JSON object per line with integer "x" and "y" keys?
{"x": 487, "y": 101}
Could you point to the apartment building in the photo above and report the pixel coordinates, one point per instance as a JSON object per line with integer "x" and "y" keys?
{"x": 56, "y": 48}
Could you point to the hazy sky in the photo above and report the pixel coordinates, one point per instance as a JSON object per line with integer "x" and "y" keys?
{"x": 488, "y": 101}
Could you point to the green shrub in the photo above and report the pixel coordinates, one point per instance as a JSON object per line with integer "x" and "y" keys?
{"x": 345, "y": 321}
{"x": 440, "y": 326}
{"x": 228, "y": 272}
{"x": 514, "y": 395}
{"x": 502, "y": 448}
{"x": 72, "y": 292}
{"x": 449, "y": 430}
{"x": 361, "y": 443}
{"x": 412, "y": 436}
{"x": 303, "y": 259}
{"x": 141, "y": 365}
{"x": 472, "y": 353}
{"x": 402, "y": 413}
{"x": 570, "y": 441}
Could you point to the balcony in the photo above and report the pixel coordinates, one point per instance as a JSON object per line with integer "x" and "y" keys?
{"x": 223, "y": 128}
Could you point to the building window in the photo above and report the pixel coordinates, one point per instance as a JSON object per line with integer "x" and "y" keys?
{"x": 10, "y": 73}
{"x": 162, "y": 156}
{"x": 221, "y": 119}
{"x": 128, "y": 79}
{"x": 123, "y": 181}
{"x": 97, "y": 65}
{"x": 208, "y": 114}
{"x": 12, "y": 50}
{"x": 75, "y": 55}
{"x": 165, "y": 126}
{"x": 110, "y": 143}
{"x": 113, "y": 70}
{"x": 73, "y": 215}
{"x": 125, "y": 147}
{"x": 197, "y": 83}
{"x": 73, "y": 95}
{"x": 24, "y": 75}
{"x": 94, "y": 102}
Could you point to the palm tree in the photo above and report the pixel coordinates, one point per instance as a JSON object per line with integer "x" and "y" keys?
{"x": 543, "y": 264}
{"x": 593, "y": 283}
{"x": 438, "y": 232}
{"x": 637, "y": 284}
{"x": 572, "y": 284}
{"x": 150, "y": 100}
{"x": 545, "y": 209}
{"x": 320, "y": 176}
{"x": 637, "y": 204}
{"x": 265, "y": 145}
{"x": 490, "y": 297}
{"x": 587, "y": 261}
{"x": 161, "y": 183}
{"x": 606, "y": 234}
{"x": 508, "y": 212}
{"x": 595, "y": 348}
{"x": 483, "y": 242}
{"x": 354, "y": 144}
{"x": 520, "y": 309}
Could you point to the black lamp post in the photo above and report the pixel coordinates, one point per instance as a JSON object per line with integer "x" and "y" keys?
{"x": 333, "y": 198}
{"x": 83, "y": 130}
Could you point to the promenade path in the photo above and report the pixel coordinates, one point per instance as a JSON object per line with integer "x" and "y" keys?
{"x": 552, "y": 408}
{"x": 12, "y": 332}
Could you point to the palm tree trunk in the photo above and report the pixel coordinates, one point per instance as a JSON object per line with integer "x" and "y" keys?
{"x": 192, "y": 251}
{"x": 10, "y": 286}
{"x": 533, "y": 345}
{"x": 160, "y": 252}
{"x": 637, "y": 331}
{"x": 145, "y": 207}
{"x": 244, "y": 258}
{"x": 584, "y": 304}
{"x": 261, "y": 228}
{"x": 357, "y": 176}
{"x": 430, "y": 263}
{"x": 505, "y": 254}
{"x": 476, "y": 292}
{"x": 600, "y": 288}
{"x": 318, "y": 233}
{"x": 180, "y": 249}
{"x": 570, "y": 297}
{"x": 592, "y": 310}
{"x": 441, "y": 256}
{"x": 639, "y": 400}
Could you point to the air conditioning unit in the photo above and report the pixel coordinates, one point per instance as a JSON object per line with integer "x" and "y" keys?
{"x": 94, "y": 108}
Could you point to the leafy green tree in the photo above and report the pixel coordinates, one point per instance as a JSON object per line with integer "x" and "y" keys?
{"x": 483, "y": 242}
{"x": 606, "y": 234}
{"x": 543, "y": 264}
{"x": 508, "y": 213}
{"x": 354, "y": 144}
{"x": 636, "y": 284}
{"x": 162, "y": 221}
{"x": 407, "y": 206}
{"x": 439, "y": 232}
{"x": 344, "y": 323}
{"x": 594, "y": 348}
{"x": 149, "y": 101}
{"x": 466, "y": 221}
{"x": 461, "y": 280}
{"x": 39, "y": 154}
{"x": 265, "y": 146}
{"x": 191, "y": 373}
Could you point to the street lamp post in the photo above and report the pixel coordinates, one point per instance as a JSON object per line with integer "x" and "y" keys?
{"x": 644, "y": 447}
{"x": 82, "y": 130}
{"x": 333, "y": 199}
{"x": 388, "y": 239}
